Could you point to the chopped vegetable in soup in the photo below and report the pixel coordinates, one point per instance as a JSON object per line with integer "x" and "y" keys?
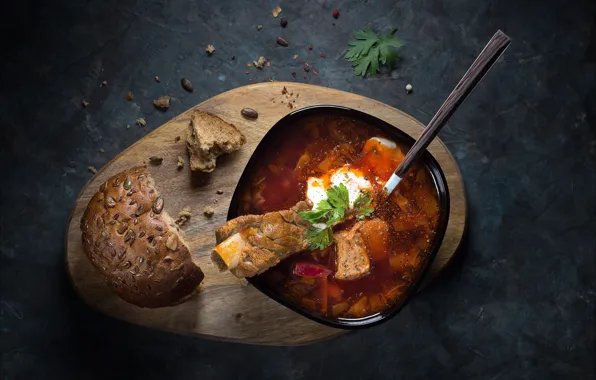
{"x": 367, "y": 253}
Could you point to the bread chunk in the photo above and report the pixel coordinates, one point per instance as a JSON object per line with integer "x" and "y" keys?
{"x": 208, "y": 138}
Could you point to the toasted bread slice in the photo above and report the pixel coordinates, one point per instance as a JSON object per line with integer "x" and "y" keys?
{"x": 210, "y": 137}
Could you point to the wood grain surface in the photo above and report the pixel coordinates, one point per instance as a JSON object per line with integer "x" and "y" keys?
{"x": 226, "y": 309}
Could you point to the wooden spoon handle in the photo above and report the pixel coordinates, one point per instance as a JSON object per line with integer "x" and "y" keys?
{"x": 489, "y": 55}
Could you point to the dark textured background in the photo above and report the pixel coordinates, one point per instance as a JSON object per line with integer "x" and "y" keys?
{"x": 518, "y": 304}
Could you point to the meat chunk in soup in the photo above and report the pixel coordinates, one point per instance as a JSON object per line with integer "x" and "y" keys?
{"x": 250, "y": 244}
{"x": 351, "y": 258}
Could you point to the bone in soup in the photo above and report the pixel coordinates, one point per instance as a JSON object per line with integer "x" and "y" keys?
{"x": 363, "y": 262}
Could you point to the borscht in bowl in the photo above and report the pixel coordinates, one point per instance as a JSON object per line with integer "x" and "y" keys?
{"x": 358, "y": 259}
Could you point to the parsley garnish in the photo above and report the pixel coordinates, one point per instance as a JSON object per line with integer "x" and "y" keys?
{"x": 368, "y": 49}
{"x": 331, "y": 211}
{"x": 319, "y": 238}
{"x": 362, "y": 207}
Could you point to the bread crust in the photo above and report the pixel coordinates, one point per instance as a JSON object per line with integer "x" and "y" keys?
{"x": 132, "y": 242}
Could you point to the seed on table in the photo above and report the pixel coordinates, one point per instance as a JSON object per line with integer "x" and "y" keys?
{"x": 282, "y": 41}
{"x": 187, "y": 85}
{"x": 249, "y": 113}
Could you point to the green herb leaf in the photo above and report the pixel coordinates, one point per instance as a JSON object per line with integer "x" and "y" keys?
{"x": 314, "y": 216}
{"x": 368, "y": 49}
{"x": 362, "y": 207}
{"x": 319, "y": 238}
{"x": 338, "y": 196}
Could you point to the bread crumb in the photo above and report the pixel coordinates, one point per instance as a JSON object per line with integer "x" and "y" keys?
{"x": 220, "y": 192}
{"x": 163, "y": 102}
{"x": 210, "y": 49}
{"x": 276, "y": 11}
{"x": 183, "y": 216}
{"x": 208, "y": 211}
{"x": 177, "y": 139}
{"x": 92, "y": 169}
{"x": 85, "y": 103}
{"x": 129, "y": 96}
{"x": 260, "y": 63}
{"x": 104, "y": 83}
{"x": 141, "y": 122}
{"x": 127, "y": 126}
{"x": 180, "y": 162}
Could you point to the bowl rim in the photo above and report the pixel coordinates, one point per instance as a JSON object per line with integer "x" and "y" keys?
{"x": 441, "y": 186}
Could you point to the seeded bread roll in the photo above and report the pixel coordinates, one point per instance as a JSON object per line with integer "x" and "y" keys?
{"x": 134, "y": 243}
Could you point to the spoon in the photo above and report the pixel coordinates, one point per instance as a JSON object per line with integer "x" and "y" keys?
{"x": 483, "y": 63}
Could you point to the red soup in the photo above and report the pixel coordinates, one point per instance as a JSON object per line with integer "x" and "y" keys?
{"x": 396, "y": 237}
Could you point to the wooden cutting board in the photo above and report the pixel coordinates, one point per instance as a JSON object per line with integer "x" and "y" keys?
{"x": 226, "y": 309}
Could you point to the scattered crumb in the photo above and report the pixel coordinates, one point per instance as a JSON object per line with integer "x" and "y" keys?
{"x": 85, "y": 103}
{"x": 307, "y": 67}
{"x": 163, "y": 102}
{"x": 141, "y": 122}
{"x": 102, "y": 150}
{"x": 92, "y": 169}
{"x": 294, "y": 74}
{"x": 180, "y": 162}
{"x": 276, "y": 11}
{"x": 323, "y": 55}
{"x": 155, "y": 160}
{"x": 183, "y": 216}
{"x": 104, "y": 83}
{"x": 315, "y": 72}
{"x": 210, "y": 49}
{"x": 215, "y": 201}
{"x": 156, "y": 79}
{"x": 296, "y": 56}
{"x": 259, "y": 27}
{"x": 208, "y": 211}
{"x": 309, "y": 47}
{"x": 238, "y": 316}
{"x": 284, "y": 91}
{"x": 127, "y": 126}
{"x": 220, "y": 192}
{"x": 268, "y": 64}
{"x": 177, "y": 139}
{"x": 233, "y": 58}
{"x": 409, "y": 88}
{"x": 129, "y": 96}
{"x": 247, "y": 72}
{"x": 260, "y": 63}
{"x": 249, "y": 65}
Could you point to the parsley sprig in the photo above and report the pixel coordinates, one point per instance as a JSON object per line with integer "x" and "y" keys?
{"x": 368, "y": 50}
{"x": 332, "y": 211}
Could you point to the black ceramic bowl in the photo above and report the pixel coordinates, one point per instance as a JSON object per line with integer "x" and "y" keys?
{"x": 276, "y": 133}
